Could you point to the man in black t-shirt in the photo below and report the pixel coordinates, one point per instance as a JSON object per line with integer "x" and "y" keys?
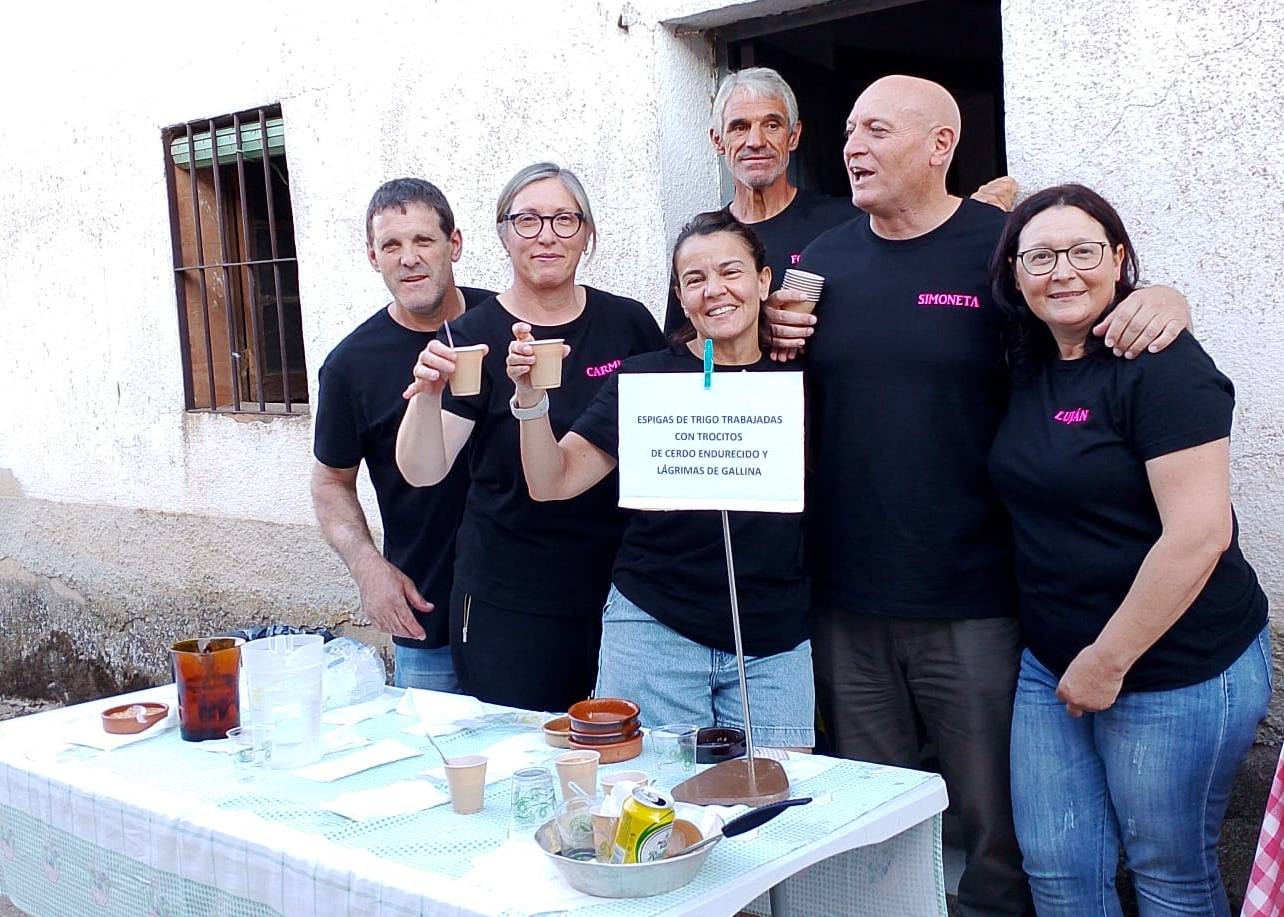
{"x": 908, "y": 547}
{"x": 754, "y": 127}
{"x": 411, "y": 239}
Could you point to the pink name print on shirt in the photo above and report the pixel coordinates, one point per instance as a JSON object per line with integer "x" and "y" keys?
{"x": 948, "y": 301}
{"x": 597, "y": 372}
{"x": 794, "y": 258}
{"x": 1073, "y": 416}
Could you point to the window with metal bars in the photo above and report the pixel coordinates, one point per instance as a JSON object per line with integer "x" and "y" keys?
{"x": 235, "y": 267}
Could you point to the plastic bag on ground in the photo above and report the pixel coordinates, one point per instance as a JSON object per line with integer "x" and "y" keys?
{"x": 354, "y": 673}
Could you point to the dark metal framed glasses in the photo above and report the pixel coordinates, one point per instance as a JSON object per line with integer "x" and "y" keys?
{"x": 1083, "y": 256}
{"x": 529, "y": 225}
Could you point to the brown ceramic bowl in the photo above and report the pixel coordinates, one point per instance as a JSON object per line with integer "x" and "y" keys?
{"x": 614, "y": 738}
{"x": 616, "y": 752}
{"x": 719, "y": 743}
{"x": 627, "y": 728}
{"x": 128, "y": 719}
{"x": 557, "y": 732}
{"x": 602, "y": 716}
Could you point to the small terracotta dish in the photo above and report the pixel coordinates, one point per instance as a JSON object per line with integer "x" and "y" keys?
{"x": 719, "y": 743}
{"x": 128, "y": 719}
{"x": 557, "y": 732}
{"x": 602, "y": 715}
{"x": 614, "y": 753}
{"x": 595, "y": 741}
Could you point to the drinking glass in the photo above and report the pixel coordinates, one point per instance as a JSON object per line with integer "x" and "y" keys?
{"x": 207, "y": 673}
{"x": 675, "y": 751}
{"x": 533, "y": 803}
{"x": 252, "y": 750}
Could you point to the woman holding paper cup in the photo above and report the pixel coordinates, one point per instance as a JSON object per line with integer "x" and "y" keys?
{"x": 525, "y": 612}
{"x": 666, "y": 630}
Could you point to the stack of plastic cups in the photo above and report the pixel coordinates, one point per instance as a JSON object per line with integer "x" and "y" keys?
{"x": 810, "y": 285}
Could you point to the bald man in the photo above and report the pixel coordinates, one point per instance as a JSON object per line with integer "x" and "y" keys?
{"x": 754, "y": 128}
{"x": 909, "y": 548}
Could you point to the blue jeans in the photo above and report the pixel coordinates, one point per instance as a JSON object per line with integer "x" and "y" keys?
{"x": 1151, "y": 775}
{"x": 432, "y": 669}
{"x": 676, "y": 680}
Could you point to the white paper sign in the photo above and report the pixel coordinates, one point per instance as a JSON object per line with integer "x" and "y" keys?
{"x": 737, "y": 445}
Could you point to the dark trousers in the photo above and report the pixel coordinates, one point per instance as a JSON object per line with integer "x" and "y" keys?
{"x": 877, "y": 676}
{"x": 523, "y": 659}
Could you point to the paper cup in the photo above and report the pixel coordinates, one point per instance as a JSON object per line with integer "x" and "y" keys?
{"x": 810, "y": 285}
{"x": 547, "y": 371}
{"x": 466, "y": 776}
{"x": 641, "y": 778}
{"x": 604, "y": 833}
{"x": 580, "y": 768}
{"x": 466, "y": 379}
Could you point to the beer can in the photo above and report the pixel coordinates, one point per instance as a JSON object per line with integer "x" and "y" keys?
{"x": 646, "y": 821}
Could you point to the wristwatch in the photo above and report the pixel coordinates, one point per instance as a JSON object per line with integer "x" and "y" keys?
{"x": 534, "y": 412}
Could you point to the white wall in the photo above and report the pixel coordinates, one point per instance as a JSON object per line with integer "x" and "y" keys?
{"x": 463, "y": 93}
{"x": 1173, "y": 111}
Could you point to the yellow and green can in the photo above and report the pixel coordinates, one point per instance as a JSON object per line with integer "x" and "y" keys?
{"x": 646, "y": 821}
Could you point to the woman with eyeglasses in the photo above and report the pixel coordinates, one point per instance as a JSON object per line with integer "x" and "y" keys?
{"x": 1147, "y": 660}
{"x": 667, "y": 635}
{"x": 530, "y": 578}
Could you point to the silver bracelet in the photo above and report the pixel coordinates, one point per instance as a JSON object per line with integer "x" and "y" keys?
{"x": 534, "y": 412}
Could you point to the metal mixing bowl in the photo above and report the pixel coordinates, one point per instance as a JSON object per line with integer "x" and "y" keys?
{"x": 632, "y": 880}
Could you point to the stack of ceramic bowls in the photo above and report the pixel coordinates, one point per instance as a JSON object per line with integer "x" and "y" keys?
{"x": 608, "y": 726}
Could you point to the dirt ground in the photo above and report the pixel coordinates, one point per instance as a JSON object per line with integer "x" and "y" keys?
{"x": 1239, "y": 831}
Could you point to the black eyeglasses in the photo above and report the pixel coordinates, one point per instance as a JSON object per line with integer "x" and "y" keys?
{"x": 530, "y": 225}
{"x": 1083, "y": 256}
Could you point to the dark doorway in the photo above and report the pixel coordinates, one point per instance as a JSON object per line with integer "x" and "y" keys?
{"x": 830, "y": 53}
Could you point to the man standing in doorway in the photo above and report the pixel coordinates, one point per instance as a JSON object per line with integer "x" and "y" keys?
{"x": 411, "y": 239}
{"x": 909, "y": 548}
{"x": 754, "y": 127}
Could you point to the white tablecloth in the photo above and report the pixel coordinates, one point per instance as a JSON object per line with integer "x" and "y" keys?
{"x": 162, "y": 828}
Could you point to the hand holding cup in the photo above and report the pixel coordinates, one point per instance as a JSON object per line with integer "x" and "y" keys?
{"x": 790, "y": 325}
{"x": 436, "y": 365}
{"x": 532, "y": 364}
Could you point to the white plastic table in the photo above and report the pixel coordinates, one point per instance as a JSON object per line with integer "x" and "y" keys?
{"x": 161, "y": 828}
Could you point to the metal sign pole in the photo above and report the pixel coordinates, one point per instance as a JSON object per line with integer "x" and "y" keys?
{"x": 740, "y": 649}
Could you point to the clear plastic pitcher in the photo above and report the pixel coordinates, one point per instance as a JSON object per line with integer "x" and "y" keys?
{"x": 282, "y": 688}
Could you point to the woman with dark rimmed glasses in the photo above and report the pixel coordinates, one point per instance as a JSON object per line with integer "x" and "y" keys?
{"x": 530, "y": 578}
{"x": 1147, "y": 660}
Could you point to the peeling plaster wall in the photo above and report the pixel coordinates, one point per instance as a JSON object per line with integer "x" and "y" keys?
{"x": 1167, "y": 108}
{"x": 92, "y": 596}
{"x": 1172, "y": 111}
{"x": 462, "y": 93}
{"x": 125, "y": 520}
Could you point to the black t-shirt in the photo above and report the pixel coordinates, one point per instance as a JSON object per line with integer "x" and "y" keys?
{"x": 359, "y": 409}
{"x": 785, "y": 236}
{"x": 546, "y": 558}
{"x": 1070, "y": 462}
{"x": 906, "y": 387}
{"x": 672, "y": 564}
